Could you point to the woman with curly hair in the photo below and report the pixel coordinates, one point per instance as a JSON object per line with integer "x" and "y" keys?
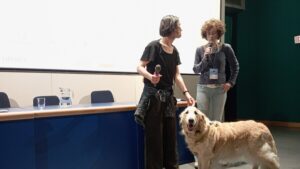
{"x": 210, "y": 63}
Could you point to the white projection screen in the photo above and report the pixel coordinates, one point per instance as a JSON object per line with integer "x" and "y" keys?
{"x": 95, "y": 35}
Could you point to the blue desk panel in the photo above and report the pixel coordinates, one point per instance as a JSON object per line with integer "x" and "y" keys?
{"x": 17, "y": 145}
{"x": 107, "y": 140}
{"x": 87, "y": 141}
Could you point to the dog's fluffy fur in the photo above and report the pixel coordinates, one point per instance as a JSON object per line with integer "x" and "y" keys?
{"x": 212, "y": 141}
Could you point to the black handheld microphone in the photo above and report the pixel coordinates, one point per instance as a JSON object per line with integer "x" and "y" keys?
{"x": 157, "y": 69}
{"x": 209, "y": 45}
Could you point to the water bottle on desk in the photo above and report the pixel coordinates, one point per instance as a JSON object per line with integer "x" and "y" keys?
{"x": 65, "y": 97}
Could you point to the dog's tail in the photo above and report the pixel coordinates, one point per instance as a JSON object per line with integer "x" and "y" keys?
{"x": 269, "y": 159}
{"x": 267, "y": 137}
{"x": 270, "y": 151}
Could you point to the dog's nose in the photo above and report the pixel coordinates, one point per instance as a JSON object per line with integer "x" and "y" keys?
{"x": 191, "y": 121}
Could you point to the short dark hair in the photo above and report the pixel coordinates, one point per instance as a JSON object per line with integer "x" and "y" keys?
{"x": 168, "y": 24}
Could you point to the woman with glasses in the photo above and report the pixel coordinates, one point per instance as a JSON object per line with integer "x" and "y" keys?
{"x": 210, "y": 63}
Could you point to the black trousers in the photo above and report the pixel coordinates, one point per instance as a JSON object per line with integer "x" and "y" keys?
{"x": 160, "y": 138}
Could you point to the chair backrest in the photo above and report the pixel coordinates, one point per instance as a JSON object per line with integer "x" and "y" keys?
{"x": 49, "y": 100}
{"x": 4, "y": 101}
{"x": 102, "y": 96}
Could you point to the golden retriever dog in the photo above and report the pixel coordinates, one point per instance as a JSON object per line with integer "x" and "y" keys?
{"x": 213, "y": 141}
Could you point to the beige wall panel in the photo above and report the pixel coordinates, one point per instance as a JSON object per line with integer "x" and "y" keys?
{"x": 22, "y": 87}
{"x": 123, "y": 87}
{"x": 191, "y": 84}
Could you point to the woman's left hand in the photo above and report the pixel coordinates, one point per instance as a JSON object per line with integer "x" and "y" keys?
{"x": 226, "y": 87}
{"x": 190, "y": 99}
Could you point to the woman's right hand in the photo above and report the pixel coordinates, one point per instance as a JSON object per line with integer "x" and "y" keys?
{"x": 207, "y": 51}
{"x": 155, "y": 78}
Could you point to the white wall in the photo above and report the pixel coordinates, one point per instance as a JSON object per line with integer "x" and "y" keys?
{"x": 22, "y": 87}
{"x": 94, "y": 35}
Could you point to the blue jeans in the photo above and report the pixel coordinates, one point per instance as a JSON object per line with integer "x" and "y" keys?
{"x": 211, "y": 101}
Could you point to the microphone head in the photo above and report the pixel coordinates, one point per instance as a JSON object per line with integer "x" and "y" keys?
{"x": 157, "y": 68}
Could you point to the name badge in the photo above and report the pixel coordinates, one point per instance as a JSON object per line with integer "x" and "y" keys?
{"x": 213, "y": 73}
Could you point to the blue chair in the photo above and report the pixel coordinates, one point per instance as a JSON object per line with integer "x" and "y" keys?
{"x": 49, "y": 100}
{"x": 4, "y": 101}
{"x": 102, "y": 96}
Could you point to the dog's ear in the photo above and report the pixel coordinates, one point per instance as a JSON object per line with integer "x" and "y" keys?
{"x": 202, "y": 116}
{"x": 198, "y": 111}
{"x": 181, "y": 115}
{"x": 206, "y": 119}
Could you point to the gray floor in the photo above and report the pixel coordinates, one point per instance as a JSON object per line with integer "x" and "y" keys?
{"x": 287, "y": 140}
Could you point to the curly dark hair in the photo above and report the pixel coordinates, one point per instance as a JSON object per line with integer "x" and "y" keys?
{"x": 168, "y": 24}
{"x": 213, "y": 23}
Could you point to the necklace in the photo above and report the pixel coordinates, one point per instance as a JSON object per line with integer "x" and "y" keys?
{"x": 165, "y": 45}
{"x": 166, "y": 48}
{"x": 168, "y": 44}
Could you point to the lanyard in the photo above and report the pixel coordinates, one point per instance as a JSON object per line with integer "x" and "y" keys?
{"x": 211, "y": 60}
{"x": 212, "y": 57}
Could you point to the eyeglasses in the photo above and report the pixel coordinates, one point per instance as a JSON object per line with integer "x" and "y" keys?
{"x": 212, "y": 33}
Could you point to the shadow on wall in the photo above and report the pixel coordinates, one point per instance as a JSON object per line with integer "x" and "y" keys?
{"x": 13, "y": 103}
{"x": 85, "y": 100}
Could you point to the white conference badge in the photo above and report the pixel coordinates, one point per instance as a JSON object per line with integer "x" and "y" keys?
{"x": 213, "y": 73}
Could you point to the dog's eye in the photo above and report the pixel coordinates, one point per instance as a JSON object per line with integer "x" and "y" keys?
{"x": 195, "y": 113}
{"x": 186, "y": 112}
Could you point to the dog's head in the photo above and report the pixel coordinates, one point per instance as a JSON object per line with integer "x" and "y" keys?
{"x": 193, "y": 120}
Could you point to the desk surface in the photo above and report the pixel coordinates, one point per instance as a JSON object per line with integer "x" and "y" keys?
{"x": 55, "y": 111}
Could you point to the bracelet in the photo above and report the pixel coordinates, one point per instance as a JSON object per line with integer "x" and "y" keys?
{"x": 185, "y": 92}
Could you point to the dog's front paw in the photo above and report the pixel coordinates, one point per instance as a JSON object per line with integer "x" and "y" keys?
{"x": 196, "y": 165}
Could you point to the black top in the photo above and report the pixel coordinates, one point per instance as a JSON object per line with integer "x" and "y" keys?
{"x": 155, "y": 54}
